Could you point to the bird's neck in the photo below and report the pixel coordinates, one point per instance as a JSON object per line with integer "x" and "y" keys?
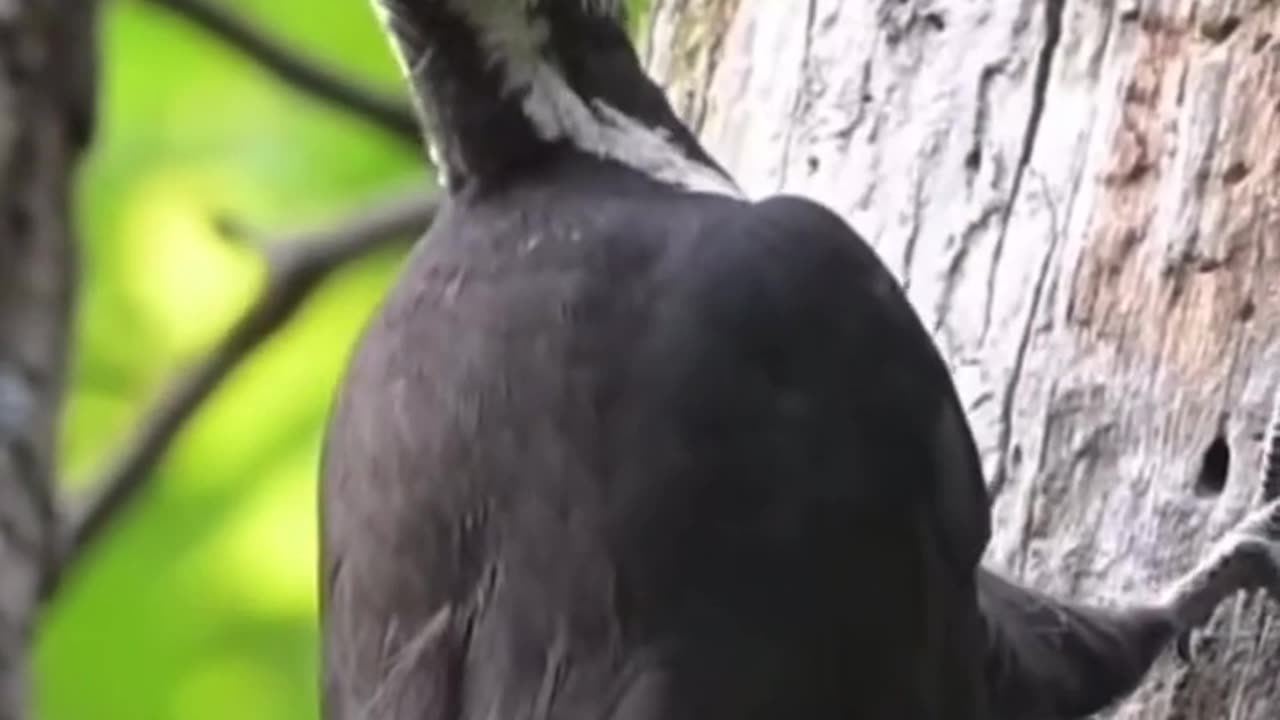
{"x": 500, "y": 88}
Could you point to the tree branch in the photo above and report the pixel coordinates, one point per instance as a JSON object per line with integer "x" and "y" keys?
{"x": 290, "y": 66}
{"x": 295, "y": 267}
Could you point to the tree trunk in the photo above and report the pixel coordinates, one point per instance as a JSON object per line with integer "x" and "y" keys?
{"x": 1081, "y": 200}
{"x": 46, "y": 78}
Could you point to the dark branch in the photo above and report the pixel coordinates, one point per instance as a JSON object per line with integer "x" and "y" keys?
{"x": 295, "y": 267}
{"x": 305, "y": 74}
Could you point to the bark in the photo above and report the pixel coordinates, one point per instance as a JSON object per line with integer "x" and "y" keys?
{"x": 1080, "y": 199}
{"x": 46, "y": 81}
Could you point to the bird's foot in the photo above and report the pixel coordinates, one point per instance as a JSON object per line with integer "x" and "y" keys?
{"x": 1246, "y": 558}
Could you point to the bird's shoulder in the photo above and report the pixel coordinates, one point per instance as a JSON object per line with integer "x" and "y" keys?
{"x": 786, "y": 286}
{"x": 788, "y": 268}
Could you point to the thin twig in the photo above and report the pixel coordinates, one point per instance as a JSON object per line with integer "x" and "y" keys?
{"x": 290, "y": 66}
{"x": 295, "y": 266}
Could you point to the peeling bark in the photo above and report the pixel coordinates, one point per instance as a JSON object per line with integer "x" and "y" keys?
{"x": 46, "y": 63}
{"x": 1080, "y": 198}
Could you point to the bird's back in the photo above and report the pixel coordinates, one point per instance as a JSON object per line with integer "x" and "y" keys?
{"x": 623, "y": 448}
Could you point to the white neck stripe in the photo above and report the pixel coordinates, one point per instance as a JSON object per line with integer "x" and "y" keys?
{"x": 515, "y": 42}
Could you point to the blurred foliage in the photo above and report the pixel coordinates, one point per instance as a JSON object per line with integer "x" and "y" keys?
{"x": 200, "y": 603}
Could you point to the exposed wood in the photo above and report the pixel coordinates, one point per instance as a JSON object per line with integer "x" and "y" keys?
{"x": 1081, "y": 199}
{"x": 46, "y": 115}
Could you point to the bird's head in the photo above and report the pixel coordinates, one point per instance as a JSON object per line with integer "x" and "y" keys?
{"x": 524, "y": 72}
{"x": 508, "y": 31}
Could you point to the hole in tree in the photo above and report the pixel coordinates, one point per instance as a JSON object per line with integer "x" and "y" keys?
{"x": 1247, "y": 310}
{"x": 973, "y": 159}
{"x": 1214, "y": 467}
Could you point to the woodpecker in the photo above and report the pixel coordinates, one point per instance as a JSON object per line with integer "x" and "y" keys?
{"x": 624, "y": 444}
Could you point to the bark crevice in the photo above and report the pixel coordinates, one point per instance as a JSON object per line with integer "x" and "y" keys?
{"x": 1054, "y": 10}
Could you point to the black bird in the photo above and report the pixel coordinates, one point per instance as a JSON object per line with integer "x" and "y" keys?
{"x": 623, "y": 444}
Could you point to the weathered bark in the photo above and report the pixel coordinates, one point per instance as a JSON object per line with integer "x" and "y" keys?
{"x": 46, "y": 62}
{"x": 1081, "y": 199}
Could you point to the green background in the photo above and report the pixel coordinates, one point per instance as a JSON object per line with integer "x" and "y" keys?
{"x": 200, "y": 603}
